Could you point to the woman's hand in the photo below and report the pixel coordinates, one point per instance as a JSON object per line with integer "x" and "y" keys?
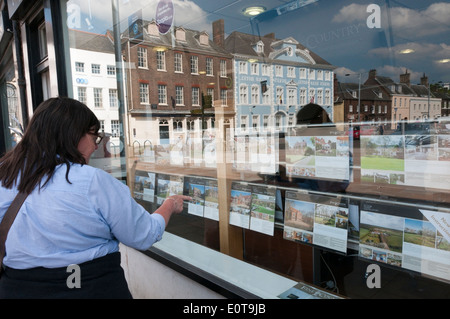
{"x": 177, "y": 202}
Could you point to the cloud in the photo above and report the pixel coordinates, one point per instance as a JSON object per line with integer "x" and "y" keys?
{"x": 353, "y": 75}
{"x": 187, "y": 13}
{"x": 351, "y": 13}
{"x": 418, "y": 51}
{"x": 405, "y": 22}
{"x": 394, "y": 72}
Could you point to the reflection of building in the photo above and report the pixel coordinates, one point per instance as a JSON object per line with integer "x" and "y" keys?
{"x": 169, "y": 77}
{"x": 94, "y": 78}
{"x": 274, "y": 78}
{"x": 375, "y": 103}
{"x": 408, "y": 101}
{"x": 445, "y": 102}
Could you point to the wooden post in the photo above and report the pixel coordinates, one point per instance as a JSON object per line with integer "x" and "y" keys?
{"x": 231, "y": 237}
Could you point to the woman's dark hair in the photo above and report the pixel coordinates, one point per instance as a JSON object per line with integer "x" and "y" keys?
{"x": 51, "y": 138}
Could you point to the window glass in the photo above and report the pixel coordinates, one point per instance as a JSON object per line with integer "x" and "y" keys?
{"x": 313, "y": 135}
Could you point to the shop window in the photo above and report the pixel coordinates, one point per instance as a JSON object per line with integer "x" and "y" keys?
{"x": 291, "y": 179}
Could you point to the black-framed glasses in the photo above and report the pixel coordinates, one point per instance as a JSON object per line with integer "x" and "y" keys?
{"x": 99, "y": 137}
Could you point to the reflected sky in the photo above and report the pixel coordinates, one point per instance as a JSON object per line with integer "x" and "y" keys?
{"x": 354, "y": 36}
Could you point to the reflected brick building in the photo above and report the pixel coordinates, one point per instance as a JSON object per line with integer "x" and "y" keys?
{"x": 170, "y": 79}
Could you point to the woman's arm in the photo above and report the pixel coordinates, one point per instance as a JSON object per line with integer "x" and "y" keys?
{"x": 171, "y": 205}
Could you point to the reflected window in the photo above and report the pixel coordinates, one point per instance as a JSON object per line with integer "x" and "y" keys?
{"x": 79, "y": 67}
{"x": 42, "y": 41}
{"x": 243, "y": 94}
{"x": 162, "y": 94}
{"x": 255, "y": 94}
{"x": 82, "y": 94}
{"x": 209, "y": 66}
{"x": 194, "y": 64}
{"x": 196, "y": 96}
{"x": 143, "y": 93}
{"x": 161, "y": 60}
{"x": 223, "y": 68}
{"x": 110, "y": 70}
{"x": 113, "y": 98}
{"x": 178, "y": 61}
{"x": 95, "y": 68}
{"x": 223, "y": 97}
{"x": 142, "y": 57}
{"x": 179, "y": 95}
{"x": 98, "y": 98}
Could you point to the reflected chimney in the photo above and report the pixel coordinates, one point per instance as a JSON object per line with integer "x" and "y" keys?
{"x": 424, "y": 80}
{"x": 405, "y": 78}
{"x": 219, "y": 32}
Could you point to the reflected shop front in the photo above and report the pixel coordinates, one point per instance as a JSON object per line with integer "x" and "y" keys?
{"x": 313, "y": 135}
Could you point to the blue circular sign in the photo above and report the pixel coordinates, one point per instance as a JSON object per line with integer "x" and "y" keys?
{"x": 164, "y": 16}
{"x": 81, "y": 81}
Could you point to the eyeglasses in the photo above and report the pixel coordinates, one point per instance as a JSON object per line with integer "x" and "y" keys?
{"x": 99, "y": 137}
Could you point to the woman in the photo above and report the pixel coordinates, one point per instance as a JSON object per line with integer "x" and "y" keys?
{"x": 74, "y": 213}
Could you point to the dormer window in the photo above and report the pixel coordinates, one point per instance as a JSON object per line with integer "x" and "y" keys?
{"x": 204, "y": 39}
{"x": 259, "y": 47}
{"x": 180, "y": 34}
{"x": 152, "y": 29}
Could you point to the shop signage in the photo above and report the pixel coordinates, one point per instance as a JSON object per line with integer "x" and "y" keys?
{"x": 164, "y": 16}
{"x": 135, "y": 25}
{"x": 81, "y": 81}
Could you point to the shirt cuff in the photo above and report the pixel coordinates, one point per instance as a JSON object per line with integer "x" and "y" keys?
{"x": 162, "y": 225}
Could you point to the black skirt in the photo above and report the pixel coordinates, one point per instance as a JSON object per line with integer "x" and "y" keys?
{"x": 101, "y": 278}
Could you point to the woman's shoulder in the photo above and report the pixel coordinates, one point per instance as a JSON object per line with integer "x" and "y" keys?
{"x": 79, "y": 175}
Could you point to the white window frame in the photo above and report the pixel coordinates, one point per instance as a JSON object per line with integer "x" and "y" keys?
{"x": 303, "y": 96}
{"x": 255, "y": 94}
{"x": 82, "y": 94}
{"x": 144, "y": 93}
{"x": 209, "y": 67}
{"x": 162, "y": 94}
{"x": 95, "y": 68}
{"x": 254, "y": 68}
{"x": 178, "y": 62}
{"x": 111, "y": 70}
{"x": 244, "y": 122}
{"x": 161, "y": 60}
{"x": 142, "y": 57}
{"x": 223, "y": 96}
{"x": 79, "y": 67}
{"x": 223, "y": 68}
{"x": 98, "y": 98}
{"x": 179, "y": 95}
{"x": 243, "y": 67}
{"x": 278, "y": 70}
{"x": 113, "y": 100}
{"x": 194, "y": 64}
{"x": 291, "y": 72}
{"x": 195, "y": 96}
{"x": 243, "y": 94}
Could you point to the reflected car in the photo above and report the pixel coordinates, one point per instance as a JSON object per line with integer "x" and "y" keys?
{"x": 356, "y": 132}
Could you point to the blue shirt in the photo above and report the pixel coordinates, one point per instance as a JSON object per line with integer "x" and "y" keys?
{"x": 65, "y": 224}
